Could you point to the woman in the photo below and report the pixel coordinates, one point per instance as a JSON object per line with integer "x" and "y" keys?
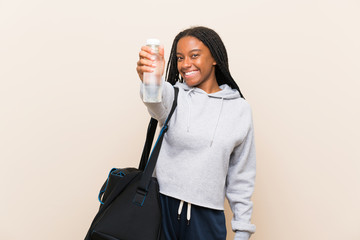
{"x": 208, "y": 152}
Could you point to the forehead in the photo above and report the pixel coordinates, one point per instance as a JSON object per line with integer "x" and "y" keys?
{"x": 189, "y": 43}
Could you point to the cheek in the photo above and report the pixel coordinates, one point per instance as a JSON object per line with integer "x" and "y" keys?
{"x": 179, "y": 68}
{"x": 201, "y": 63}
{"x": 208, "y": 64}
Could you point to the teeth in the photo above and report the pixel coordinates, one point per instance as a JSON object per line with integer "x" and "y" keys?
{"x": 189, "y": 73}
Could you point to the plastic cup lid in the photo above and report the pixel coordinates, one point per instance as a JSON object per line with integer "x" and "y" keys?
{"x": 153, "y": 41}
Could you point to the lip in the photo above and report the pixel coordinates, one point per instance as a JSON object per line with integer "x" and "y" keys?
{"x": 191, "y": 73}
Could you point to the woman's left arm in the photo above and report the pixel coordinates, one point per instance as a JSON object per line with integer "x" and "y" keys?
{"x": 240, "y": 184}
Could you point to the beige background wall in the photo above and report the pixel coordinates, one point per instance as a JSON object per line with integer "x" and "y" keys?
{"x": 70, "y": 110}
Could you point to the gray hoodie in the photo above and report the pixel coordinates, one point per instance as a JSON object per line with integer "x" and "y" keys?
{"x": 208, "y": 152}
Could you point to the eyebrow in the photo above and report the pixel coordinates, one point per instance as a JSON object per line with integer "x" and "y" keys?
{"x": 193, "y": 50}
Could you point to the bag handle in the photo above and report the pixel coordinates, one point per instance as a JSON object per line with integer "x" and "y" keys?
{"x": 149, "y": 166}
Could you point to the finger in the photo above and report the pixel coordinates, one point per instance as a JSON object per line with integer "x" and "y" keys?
{"x": 146, "y": 55}
{"x": 145, "y": 62}
{"x": 147, "y": 49}
{"x": 142, "y": 69}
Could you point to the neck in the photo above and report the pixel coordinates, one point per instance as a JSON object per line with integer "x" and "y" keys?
{"x": 210, "y": 85}
{"x": 211, "y": 89}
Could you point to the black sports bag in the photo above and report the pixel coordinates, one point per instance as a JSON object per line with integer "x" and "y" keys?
{"x": 130, "y": 206}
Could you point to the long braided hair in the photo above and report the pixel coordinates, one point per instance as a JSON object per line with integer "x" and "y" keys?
{"x": 217, "y": 49}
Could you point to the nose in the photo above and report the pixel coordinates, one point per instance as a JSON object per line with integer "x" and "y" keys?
{"x": 187, "y": 62}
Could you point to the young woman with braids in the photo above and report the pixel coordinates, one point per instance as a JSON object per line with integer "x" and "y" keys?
{"x": 208, "y": 153}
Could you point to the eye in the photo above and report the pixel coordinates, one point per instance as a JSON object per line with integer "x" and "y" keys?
{"x": 195, "y": 55}
{"x": 179, "y": 58}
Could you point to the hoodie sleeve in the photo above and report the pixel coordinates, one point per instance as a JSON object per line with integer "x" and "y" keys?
{"x": 240, "y": 185}
{"x": 160, "y": 110}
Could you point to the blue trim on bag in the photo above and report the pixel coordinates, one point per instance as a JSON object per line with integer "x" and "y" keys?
{"x": 164, "y": 128}
{"x": 121, "y": 174}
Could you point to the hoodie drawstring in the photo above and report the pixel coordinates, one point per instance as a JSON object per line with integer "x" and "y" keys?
{"x": 188, "y": 100}
{"x": 188, "y": 214}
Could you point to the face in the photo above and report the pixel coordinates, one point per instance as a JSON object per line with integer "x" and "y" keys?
{"x": 196, "y": 64}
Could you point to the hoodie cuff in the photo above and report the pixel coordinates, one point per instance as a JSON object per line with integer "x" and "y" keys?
{"x": 241, "y": 235}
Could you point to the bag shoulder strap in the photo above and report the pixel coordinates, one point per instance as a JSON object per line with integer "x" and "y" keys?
{"x": 150, "y": 136}
{"x": 148, "y": 143}
{"x": 151, "y": 163}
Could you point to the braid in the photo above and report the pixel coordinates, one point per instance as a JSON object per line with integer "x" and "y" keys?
{"x": 217, "y": 49}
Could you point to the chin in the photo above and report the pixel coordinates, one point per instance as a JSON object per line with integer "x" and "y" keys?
{"x": 191, "y": 83}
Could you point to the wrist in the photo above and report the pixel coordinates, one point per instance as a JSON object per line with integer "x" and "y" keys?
{"x": 242, "y": 235}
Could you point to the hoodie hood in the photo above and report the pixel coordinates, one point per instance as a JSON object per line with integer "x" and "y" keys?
{"x": 226, "y": 93}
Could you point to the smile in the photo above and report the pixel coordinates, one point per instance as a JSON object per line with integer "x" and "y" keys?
{"x": 190, "y": 73}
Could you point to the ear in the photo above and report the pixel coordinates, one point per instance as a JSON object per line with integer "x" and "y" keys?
{"x": 214, "y": 63}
